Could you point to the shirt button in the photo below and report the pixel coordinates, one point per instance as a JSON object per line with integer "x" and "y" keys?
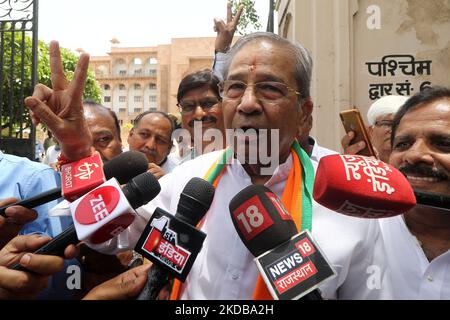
{"x": 430, "y": 278}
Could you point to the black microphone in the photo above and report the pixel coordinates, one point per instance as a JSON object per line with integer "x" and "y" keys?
{"x": 178, "y": 234}
{"x": 433, "y": 200}
{"x": 123, "y": 167}
{"x": 138, "y": 191}
{"x": 263, "y": 224}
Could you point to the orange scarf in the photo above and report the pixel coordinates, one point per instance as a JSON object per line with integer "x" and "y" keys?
{"x": 291, "y": 199}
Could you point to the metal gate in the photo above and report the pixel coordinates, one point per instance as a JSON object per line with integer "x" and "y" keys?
{"x": 18, "y": 76}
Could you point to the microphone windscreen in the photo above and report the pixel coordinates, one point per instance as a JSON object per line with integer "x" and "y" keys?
{"x": 195, "y": 200}
{"x": 260, "y": 219}
{"x": 141, "y": 189}
{"x": 125, "y": 166}
{"x": 362, "y": 187}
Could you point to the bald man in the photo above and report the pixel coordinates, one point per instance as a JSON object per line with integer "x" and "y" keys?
{"x": 152, "y": 135}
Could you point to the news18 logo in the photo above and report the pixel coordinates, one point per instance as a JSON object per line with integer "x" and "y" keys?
{"x": 291, "y": 270}
{"x": 294, "y": 268}
{"x": 252, "y": 218}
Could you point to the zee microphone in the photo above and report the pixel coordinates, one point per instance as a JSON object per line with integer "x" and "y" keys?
{"x": 362, "y": 187}
{"x": 123, "y": 167}
{"x": 268, "y": 230}
{"x": 177, "y": 234}
{"x": 103, "y": 213}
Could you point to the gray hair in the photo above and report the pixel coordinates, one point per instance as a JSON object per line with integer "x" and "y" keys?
{"x": 303, "y": 61}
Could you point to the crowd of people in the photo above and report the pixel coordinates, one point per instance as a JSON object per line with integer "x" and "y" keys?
{"x": 262, "y": 82}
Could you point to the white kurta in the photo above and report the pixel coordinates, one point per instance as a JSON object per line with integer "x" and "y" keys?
{"x": 411, "y": 275}
{"x": 225, "y": 269}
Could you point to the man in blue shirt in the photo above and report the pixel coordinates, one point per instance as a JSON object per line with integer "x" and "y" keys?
{"x": 21, "y": 178}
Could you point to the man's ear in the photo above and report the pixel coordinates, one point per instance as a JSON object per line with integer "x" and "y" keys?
{"x": 370, "y": 131}
{"x": 130, "y": 134}
{"x": 306, "y": 111}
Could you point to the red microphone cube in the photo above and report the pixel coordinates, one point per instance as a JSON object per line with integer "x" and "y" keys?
{"x": 79, "y": 177}
{"x": 362, "y": 187}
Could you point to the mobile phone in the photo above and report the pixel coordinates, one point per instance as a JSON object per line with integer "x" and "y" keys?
{"x": 352, "y": 121}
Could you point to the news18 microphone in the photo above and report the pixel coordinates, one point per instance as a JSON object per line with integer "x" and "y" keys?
{"x": 362, "y": 187}
{"x": 171, "y": 242}
{"x": 123, "y": 167}
{"x": 103, "y": 213}
{"x": 267, "y": 229}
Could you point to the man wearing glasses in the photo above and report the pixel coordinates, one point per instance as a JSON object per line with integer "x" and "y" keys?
{"x": 266, "y": 87}
{"x": 200, "y": 106}
{"x": 380, "y": 116}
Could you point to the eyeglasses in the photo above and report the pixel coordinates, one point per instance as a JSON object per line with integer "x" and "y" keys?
{"x": 385, "y": 124}
{"x": 188, "y": 107}
{"x": 266, "y": 91}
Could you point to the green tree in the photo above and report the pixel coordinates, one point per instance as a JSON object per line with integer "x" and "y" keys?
{"x": 249, "y": 20}
{"x": 20, "y": 88}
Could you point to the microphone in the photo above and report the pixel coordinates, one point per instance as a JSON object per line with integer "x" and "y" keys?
{"x": 291, "y": 264}
{"x": 171, "y": 242}
{"x": 433, "y": 200}
{"x": 103, "y": 213}
{"x": 362, "y": 187}
{"x": 80, "y": 176}
{"x": 123, "y": 167}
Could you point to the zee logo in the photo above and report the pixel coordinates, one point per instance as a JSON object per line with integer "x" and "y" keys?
{"x": 252, "y": 218}
{"x": 97, "y": 205}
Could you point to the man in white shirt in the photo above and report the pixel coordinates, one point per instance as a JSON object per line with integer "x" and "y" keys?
{"x": 267, "y": 87}
{"x": 417, "y": 243}
{"x": 225, "y": 33}
{"x": 200, "y": 106}
{"x": 224, "y": 268}
{"x": 152, "y": 135}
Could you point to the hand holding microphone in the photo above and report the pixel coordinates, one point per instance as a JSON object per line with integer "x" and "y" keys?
{"x": 16, "y": 218}
{"x": 103, "y": 213}
{"x": 123, "y": 167}
{"x": 16, "y": 284}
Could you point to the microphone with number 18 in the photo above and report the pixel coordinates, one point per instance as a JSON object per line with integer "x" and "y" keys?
{"x": 291, "y": 264}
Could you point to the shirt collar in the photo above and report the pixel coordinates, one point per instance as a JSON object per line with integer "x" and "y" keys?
{"x": 281, "y": 172}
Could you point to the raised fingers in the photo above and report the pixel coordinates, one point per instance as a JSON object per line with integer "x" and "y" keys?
{"x": 238, "y": 16}
{"x": 76, "y": 86}
{"x": 59, "y": 80}
{"x": 229, "y": 12}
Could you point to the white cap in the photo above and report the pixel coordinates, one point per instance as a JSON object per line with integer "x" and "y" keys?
{"x": 384, "y": 106}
